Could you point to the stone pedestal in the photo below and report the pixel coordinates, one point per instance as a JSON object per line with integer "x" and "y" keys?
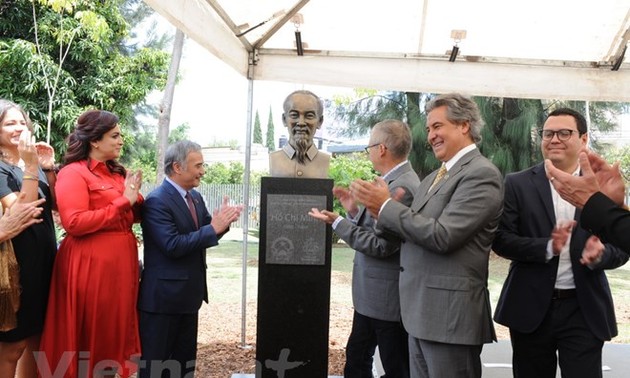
{"x": 293, "y": 279}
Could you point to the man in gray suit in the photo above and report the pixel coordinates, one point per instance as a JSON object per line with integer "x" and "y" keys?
{"x": 376, "y": 265}
{"x": 447, "y": 233}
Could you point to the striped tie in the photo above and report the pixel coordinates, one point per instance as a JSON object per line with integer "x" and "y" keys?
{"x": 191, "y": 207}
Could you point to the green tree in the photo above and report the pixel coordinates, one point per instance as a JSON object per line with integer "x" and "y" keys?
{"x": 96, "y": 68}
{"x": 346, "y": 168}
{"x": 271, "y": 140}
{"x": 257, "y": 130}
{"x": 219, "y": 173}
{"x": 510, "y": 137}
{"x": 144, "y": 152}
{"x": 343, "y": 170}
{"x": 622, "y": 155}
{"x": 179, "y": 133}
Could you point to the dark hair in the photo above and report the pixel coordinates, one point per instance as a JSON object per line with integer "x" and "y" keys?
{"x": 91, "y": 126}
{"x": 579, "y": 118}
{"x": 5, "y": 105}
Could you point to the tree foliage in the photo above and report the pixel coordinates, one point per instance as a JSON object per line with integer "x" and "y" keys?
{"x": 510, "y": 136}
{"x": 144, "y": 152}
{"x": 622, "y": 156}
{"x": 99, "y": 71}
{"x": 346, "y": 168}
{"x": 257, "y": 130}
{"x": 219, "y": 173}
{"x": 271, "y": 140}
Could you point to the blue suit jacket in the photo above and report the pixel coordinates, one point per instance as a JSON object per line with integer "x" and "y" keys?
{"x": 524, "y": 231}
{"x": 174, "y": 277}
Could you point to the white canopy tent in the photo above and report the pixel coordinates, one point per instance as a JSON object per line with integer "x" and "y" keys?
{"x": 561, "y": 49}
{"x": 541, "y": 49}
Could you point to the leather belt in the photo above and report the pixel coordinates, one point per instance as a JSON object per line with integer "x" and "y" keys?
{"x": 563, "y": 293}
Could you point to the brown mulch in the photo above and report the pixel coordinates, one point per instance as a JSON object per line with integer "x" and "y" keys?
{"x": 221, "y": 352}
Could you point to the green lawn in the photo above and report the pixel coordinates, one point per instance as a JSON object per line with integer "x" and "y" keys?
{"x": 225, "y": 284}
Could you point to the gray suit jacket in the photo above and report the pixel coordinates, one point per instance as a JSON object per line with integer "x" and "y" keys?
{"x": 377, "y": 258}
{"x": 447, "y": 234}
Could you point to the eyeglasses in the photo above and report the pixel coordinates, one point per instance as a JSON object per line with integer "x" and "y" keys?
{"x": 563, "y": 134}
{"x": 367, "y": 149}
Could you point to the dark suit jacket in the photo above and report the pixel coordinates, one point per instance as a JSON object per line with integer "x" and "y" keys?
{"x": 605, "y": 219}
{"x": 447, "y": 233}
{"x": 524, "y": 231}
{"x": 173, "y": 280}
{"x": 377, "y": 258}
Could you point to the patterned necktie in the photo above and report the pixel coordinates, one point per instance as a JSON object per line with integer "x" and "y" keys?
{"x": 191, "y": 207}
{"x": 441, "y": 173}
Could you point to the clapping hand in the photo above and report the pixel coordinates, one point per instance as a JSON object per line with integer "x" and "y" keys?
{"x": 28, "y": 152}
{"x": 371, "y": 194}
{"x": 347, "y": 201}
{"x": 20, "y": 216}
{"x": 323, "y": 215}
{"x": 560, "y": 235}
{"x": 133, "y": 183}
{"x": 593, "y": 251}
{"x": 46, "y": 155}
{"x": 225, "y": 215}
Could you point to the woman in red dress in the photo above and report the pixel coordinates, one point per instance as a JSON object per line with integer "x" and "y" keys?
{"x": 91, "y": 327}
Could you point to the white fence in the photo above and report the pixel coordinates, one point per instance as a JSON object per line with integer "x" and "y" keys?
{"x": 213, "y": 196}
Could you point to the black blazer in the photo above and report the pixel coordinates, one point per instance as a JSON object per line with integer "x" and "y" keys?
{"x": 523, "y": 234}
{"x": 605, "y": 219}
{"x": 173, "y": 280}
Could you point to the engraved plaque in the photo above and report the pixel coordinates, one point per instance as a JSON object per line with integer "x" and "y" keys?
{"x": 294, "y": 252}
{"x": 293, "y": 236}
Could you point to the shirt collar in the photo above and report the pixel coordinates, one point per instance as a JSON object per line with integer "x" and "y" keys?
{"x": 450, "y": 163}
{"x": 93, "y": 164}
{"x": 391, "y": 171}
{"x": 182, "y": 192}
{"x": 290, "y": 151}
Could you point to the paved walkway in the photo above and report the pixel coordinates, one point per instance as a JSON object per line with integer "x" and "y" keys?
{"x": 497, "y": 360}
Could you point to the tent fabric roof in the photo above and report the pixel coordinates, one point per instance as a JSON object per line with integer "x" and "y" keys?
{"x": 563, "y": 49}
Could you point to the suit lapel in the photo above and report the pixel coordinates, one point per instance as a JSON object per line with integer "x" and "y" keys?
{"x": 179, "y": 204}
{"x": 453, "y": 172}
{"x": 541, "y": 184}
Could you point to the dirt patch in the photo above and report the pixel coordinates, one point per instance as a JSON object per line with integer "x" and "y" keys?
{"x": 221, "y": 352}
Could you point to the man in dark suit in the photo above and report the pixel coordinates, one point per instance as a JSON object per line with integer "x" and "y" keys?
{"x": 177, "y": 229}
{"x": 377, "y": 259}
{"x": 600, "y": 192}
{"x": 556, "y": 297}
{"x": 447, "y": 233}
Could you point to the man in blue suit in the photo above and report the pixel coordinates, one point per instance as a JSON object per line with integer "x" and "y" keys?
{"x": 177, "y": 229}
{"x": 555, "y": 300}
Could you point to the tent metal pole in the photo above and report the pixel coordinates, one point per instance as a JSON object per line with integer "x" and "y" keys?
{"x": 246, "y": 184}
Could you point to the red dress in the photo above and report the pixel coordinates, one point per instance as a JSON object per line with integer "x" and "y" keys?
{"x": 91, "y": 321}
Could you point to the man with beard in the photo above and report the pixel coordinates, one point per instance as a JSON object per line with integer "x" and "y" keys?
{"x": 303, "y": 115}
